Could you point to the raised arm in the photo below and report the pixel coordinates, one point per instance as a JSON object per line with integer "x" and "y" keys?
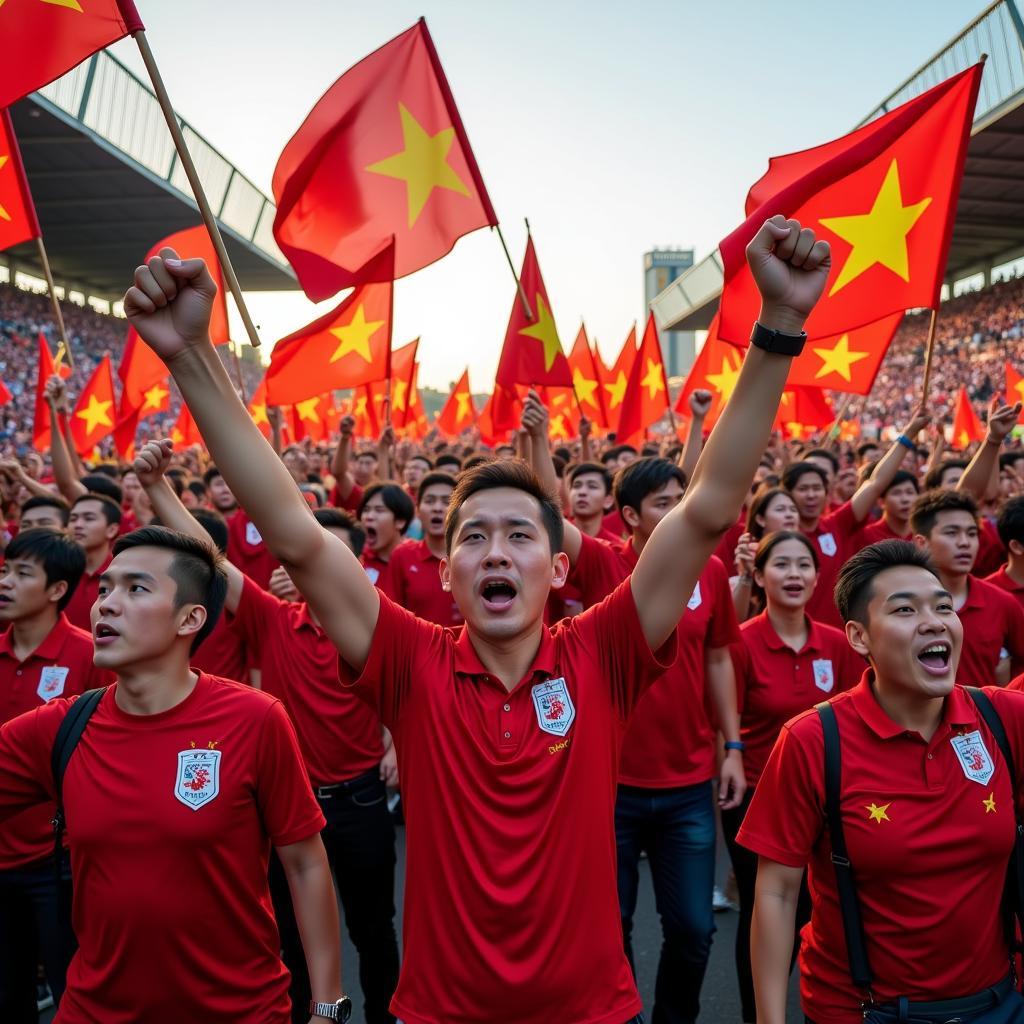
{"x": 169, "y": 305}
{"x": 385, "y": 452}
{"x": 700, "y": 406}
{"x": 275, "y": 417}
{"x": 14, "y": 471}
{"x": 863, "y": 501}
{"x": 978, "y": 476}
{"x": 343, "y": 479}
{"x": 68, "y": 483}
{"x": 790, "y": 268}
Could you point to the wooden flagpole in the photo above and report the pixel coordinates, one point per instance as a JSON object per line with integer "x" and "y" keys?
{"x": 929, "y": 355}
{"x": 58, "y": 315}
{"x": 515, "y": 277}
{"x": 837, "y": 426}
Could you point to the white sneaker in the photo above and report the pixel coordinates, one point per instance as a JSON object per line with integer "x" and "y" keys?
{"x": 720, "y": 902}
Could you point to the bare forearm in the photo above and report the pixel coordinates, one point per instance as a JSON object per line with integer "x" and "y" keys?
{"x": 741, "y": 597}
{"x": 76, "y": 463}
{"x": 316, "y": 913}
{"x": 771, "y": 948}
{"x": 63, "y": 473}
{"x": 874, "y": 487}
{"x": 691, "y": 450}
{"x": 721, "y": 680}
{"x": 977, "y": 477}
{"x": 538, "y": 454}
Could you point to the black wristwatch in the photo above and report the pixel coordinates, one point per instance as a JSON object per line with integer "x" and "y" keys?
{"x": 341, "y": 1010}
{"x": 777, "y": 342}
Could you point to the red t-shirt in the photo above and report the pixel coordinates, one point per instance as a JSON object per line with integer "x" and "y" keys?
{"x": 61, "y": 666}
{"x": 510, "y": 812}
{"x": 1002, "y": 580}
{"x": 170, "y": 818}
{"x": 991, "y": 552}
{"x": 836, "y": 539}
{"x": 774, "y": 682}
{"x": 223, "y": 652}
{"x": 873, "y": 533}
{"x": 413, "y": 580}
{"x": 614, "y": 524}
{"x": 671, "y": 739}
{"x": 993, "y": 621}
{"x": 247, "y": 551}
{"x": 339, "y": 736}
{"x": 929, "y": 846}
{"x": 79, "y": 609}
{"x": 128, "y": 521}
{"x": 726, "y": 550}
{"x": 376, "y": 567}
{"x": 351, "y": 503}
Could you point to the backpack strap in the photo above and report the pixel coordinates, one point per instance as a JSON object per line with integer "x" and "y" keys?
{"x": 853, "y": 926}
{"x": 68, "y": 735}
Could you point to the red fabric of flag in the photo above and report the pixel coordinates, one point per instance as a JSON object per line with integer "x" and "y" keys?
{"x": 5, "y": 395}
{"x": 41, "y": 417}
{"x": 94, "y": 414}
{"x": 459, "y": 412}
{"x": 847, "y": 362}
{"x": 258, "y": 408}
{"x": 716, "y": 369}
{"x": 1014, "y": 385}
{"x": 18, "y": 221}
{"x": 802, "y": 412}
{"x": 646, "y": 397}
{"x": 185, "y": 433}
{"x": 967, "y": 427}
{"x": 883, "y": 196}
{"x": 44, "y": 39}
{"x": 382, "y": 156}
{"x": 617, "y": 378}
{"x": 403, "y": 384}
{"x": 586, "y": 380}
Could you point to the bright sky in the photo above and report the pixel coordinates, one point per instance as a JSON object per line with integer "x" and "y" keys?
{"x": 615, "y": 128}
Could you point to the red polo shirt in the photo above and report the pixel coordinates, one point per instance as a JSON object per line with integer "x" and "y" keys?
{"x": 1002, "y": 580}
{"x": 79, "y": 609}
{"x": 929, "y": 847}
{"x": 835, "y": 539}
{"x": 351, "y": 503}
{"x": 774, "y": 682}
{"x": 247, "y": 551}
{"x": 510, "y": 812}
{"x": 413, "y": 580}
{"x": 376, "y": 568}
{"x": 339, "y": 736}
{"x": 726, "y": 550}
{"x": 875, "y": 532}
{"x": 991, "y": 552}
{"x": 61, "y": 666}
{"x": 223, "y": 652}
{"x": 993, "y": 621}
{"x": 614, "y": 524}
{"x": 170, "y": 822}
{"x": 671, "y": 739}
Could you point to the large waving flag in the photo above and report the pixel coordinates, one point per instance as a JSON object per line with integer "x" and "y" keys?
{"x": 44, "y": 39}
{"x": 716, "y": 369}
{"x": 18, "y": 222}
{"x": 382, "y": 156}
{"x": 586, "y": 380}
{"x": 617, "y": 378}
{"x": 1014, "y": 384}
{"x": 94, "y": 415}
{"x": 646, "y": 397}
{"x": 459, "y": 412}
{"x": 884, "y": 196}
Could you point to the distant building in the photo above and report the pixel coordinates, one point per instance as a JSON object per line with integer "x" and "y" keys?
{"x": 661, "y": 268}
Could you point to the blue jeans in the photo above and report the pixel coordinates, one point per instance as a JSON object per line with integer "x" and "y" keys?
{"x": 676, "y": 827}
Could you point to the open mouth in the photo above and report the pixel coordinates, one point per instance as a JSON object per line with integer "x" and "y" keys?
{"x": 104, "y": 633}
{"x": 935, "y": 657}
{"x": 437, "y": 520}
{"x": 371, "y": 535}
{"x": 498, "y": 593}
{"x": 793, "y": 589}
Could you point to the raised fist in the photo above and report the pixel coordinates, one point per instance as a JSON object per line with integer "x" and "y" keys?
{"x": 152, "y": 461}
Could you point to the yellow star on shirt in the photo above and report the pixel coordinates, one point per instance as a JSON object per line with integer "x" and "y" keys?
{"x": 307, "y": 410}
{"x": 355, "y": 336}
{"x": 4, "y": 215}
{"x": 839, "y": 359}
{"x": 96, "y": 414}
{"x": 877, "y": 813}
{"x": 422, "y": 164}
{"x": 462, "y": 409}
{"x": 879, "y": 236}
{"x": 617, "y": 389}
{"x": 154, "y": 397}
{"x": 652, "y": 380}
{"x": 724, "y": 382}
{"x": 990, "y": 804}
{"x": 545, "y": 332}
{"x": 584, "y": 388}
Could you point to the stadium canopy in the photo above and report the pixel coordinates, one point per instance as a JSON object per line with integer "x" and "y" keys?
{"x": 107, "y": 184}
{"x": 989, "y": 226}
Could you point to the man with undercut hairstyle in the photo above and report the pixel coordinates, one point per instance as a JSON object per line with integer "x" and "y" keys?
{"x": 40, "y": 510}
{"x": 94, "y": 523}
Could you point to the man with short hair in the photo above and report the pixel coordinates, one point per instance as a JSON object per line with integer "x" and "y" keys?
{"x": 508, "y": 791}
{"x": 897, "y": 500}
{"x": 385, "y": 514}
{"x": 177, "y": 776}
{"x": 245, "y": 545}
{"x": 1011, "y": 532}
{"x": 590, "y": 500}
{"x": 49, "y": 512}
{"x": 42, "y": 656}
{"x": 94, "y": 522}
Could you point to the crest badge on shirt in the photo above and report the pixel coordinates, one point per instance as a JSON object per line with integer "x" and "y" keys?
{"x": 198, "y": 780}
{"x": 252, "y": 535}
{"x": 974, "y": 757}
{"x": 827, "y": 543}
{"x": 823, "y": 677}
{"x": 554, "y": 707}
{"x": 694, "y": 601}
{"x": 51, "y": 682}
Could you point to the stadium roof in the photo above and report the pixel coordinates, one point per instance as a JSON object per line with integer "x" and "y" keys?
{"x": 107, "y": 184}
{"x": 989, "y": 226}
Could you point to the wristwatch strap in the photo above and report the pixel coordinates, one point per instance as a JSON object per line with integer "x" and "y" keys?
{"x": 776, "y": 342}
{"x": 340, "y": 1011}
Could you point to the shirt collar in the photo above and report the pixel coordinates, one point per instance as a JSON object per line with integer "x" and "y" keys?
{"x": 775, "y": 643}
{"x": 957, "y": 709}
{"x": 628, "y": 552}
{"x": 48, "y": 650}
{"x": 467, "y": 661}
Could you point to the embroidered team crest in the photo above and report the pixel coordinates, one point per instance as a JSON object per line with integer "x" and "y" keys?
{"x": 694, "y": 601}
{"x": 823, "y": 678}
{"x": 252, "y": 535}
{"x": 827, "y": 543}
{"x": 555, "y": 711}
{"x": 51, "y": 682}
{"x": 974, "y": 757}
{"x": 198, "y": 780}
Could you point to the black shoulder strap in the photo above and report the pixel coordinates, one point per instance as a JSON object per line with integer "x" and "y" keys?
{"x": 68, "y": 735}
{"x": 1013, "y": 892}
{"x": 853, "y": 926}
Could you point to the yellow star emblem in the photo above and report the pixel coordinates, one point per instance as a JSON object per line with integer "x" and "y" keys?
{"x": 177, "y": 436}
{"x": 307, "y": 410}
{"x": 360, "y": 409}
{"x": 617, "y": 389}
{"x": 879, "y": 236}
{"x": 652, "y": 380}
{"x": 355, "y": 336}
{"x": 964, "y": 439}
{"x": 990, "y": 804}
{"x": 558, "y": 426}
{"x": 839, "y": 359}
{"x": 877, "y": 813}
{"x": 1019, "y": 388}
{"x": 584, "y": 388}
{"x": 422, "y": 164}
{"x": 259, "y": 414}
{"x": 4, "y": 215}
{"x": 154, "y": 397}
{"x": 545, "y": 332}
{"x": 96, "y": 414}
{"x": 71, "y": 5}
{"x": 462, "y": 409}
{"x": 398, "y": 390}
{"x": 724, "y": 382}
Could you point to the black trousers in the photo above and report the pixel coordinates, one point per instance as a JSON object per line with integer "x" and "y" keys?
{"x": 744, "y": 866}
{"x": 360, "y": 842}
{"x": 35, "y": 928}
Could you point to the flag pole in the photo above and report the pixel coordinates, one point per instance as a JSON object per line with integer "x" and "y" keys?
{"x": 929, "y": 354}
{"x": 837, "y": 425}
{"x": 197, "y": 186}
{"x": 515, "y": 277}
{"x": 58, "y": 315}
{"x": 238, "y": 372}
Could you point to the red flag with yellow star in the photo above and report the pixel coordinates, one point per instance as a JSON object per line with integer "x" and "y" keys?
{"x": 347, "y": 347}
{"x": 44, "y": 39}
{"x": 403, "y": 384}
{"x": 417, "y": 423}
{"x": 367, "y": 408}
{"x": 646, "y": 398}
{"x": 586, "y": 380}
{"x": 802, "y": 412}
{"x": 716, "y": 369}
{"x": 502, "y": 413}
{"x": 883, "y": 196}
{"x": 383, "y": 155}
{"x": 18, "y": 222}
{"x": 94, "y": 414}
{"x": 564, "y": 412}
{"x": 849, "y": 362}
{"x": 459, "y": 412}
{"x": 185, "y": 433}
{"x": 311, "y": 418}
{"x": 41, "y": 418}
{"x": 615, "y": 380}
{"x": 967, "y": 427}
{"x": 257, "y": 408}
{"x": 1014, "y": 385}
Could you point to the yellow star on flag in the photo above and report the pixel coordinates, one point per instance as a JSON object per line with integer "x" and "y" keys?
{"x": 584, "y": 388}
{"x": 259, "y": 414}
{"x": 4, "y": 215}
{"x": 617, "y": 389}
{"x": 879, "y": 236}
{"x": 96, "y": 414}
{"x": 1019, "y": 388}
{"x": 545, "y": 332}
{"x": 990, "y": 804}
{"x": 154, "y": 397}
{"x": 176, "y": 436}
{"x": 462, "y": 411}
{"x": 72, "y": 5}
{"x": 360, "y": 409}
{"x": 964, "y": 439}
{"x": 398, "y": 390}
{"x": 558, "y": 426}
{"x": 724, "y": 382}
{"x": 422, "y": 164}
{"x": 839, "y": 359}
{"x": 355, "y": 336}
{"x": 307, "y": 410}
{"x": 877, "y": 813}
{"x": 653, "y": 379}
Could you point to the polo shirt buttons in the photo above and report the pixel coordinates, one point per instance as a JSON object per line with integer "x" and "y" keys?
{"x": 508, "y": 735}
{"x": 931, "y": 757}
{"x": 508, "y": 707}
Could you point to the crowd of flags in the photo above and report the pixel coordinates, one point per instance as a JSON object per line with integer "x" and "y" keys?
{"x": 380, "y": 180}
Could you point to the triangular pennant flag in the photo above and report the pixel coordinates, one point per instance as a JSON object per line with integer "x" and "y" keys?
{"x": 967, "y": 427}
{"x": 586, "y": 380}
{"x": 646, "y": 398}
{"x": 459, "y": 412}
{"x": 94, "y": 414}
